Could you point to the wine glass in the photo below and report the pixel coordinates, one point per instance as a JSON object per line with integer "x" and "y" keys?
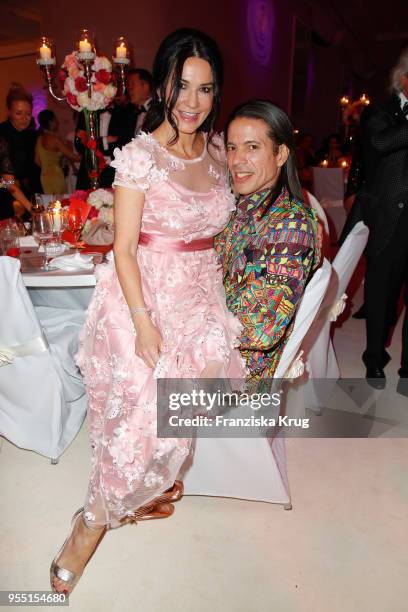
{"x": 59, "y": 218}
{"x": 37, "y": 203}
{"x": 42, "y": 232}
{"x": 75, "y": 224}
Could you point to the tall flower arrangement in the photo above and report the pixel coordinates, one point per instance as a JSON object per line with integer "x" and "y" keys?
{"x": 74, "y": 84}
{"x": 88, "y": 88}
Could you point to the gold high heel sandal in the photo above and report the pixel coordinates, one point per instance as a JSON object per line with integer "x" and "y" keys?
{"x": 162, "y": 506}
{"x": 66, "y": 575}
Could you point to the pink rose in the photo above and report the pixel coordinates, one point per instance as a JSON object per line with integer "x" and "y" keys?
{"x": 99, "y": 87}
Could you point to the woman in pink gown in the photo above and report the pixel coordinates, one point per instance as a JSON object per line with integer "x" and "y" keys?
{"x": 159, "y": 309}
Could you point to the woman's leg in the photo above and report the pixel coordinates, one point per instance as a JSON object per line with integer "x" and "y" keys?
{"x": 75, "y": 554}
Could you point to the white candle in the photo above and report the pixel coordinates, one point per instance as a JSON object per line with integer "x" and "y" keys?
{"x": 121, "y": 51}
{"x": 45, "y": 52}
{"x": 56, "y": 214}
{"x": 85, "y": 46}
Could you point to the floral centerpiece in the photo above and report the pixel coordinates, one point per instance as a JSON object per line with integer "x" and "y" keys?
{"x": 101, "y": 201}
{"x": 74, "y": 84}
{"x": 98, "y": 227}
{"x": 89, "y": 87}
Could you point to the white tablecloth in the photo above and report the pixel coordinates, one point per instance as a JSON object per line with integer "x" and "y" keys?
{"x": 56, "y": 288}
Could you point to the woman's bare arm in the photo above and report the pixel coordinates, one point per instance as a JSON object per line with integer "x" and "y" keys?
{"x": 17, "y": 193}
{"x": 128, "y": 208}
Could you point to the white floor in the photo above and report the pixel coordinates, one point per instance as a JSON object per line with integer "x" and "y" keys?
{"x": 343, "y": 547}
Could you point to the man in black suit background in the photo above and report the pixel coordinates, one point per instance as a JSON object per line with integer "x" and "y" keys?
{"x": 105, "y": 143}
{"x": 383, "y": 197}
{"x": 127, "y": 118}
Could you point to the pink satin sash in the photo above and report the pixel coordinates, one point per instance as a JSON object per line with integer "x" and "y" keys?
{"x": 163, "y": 244}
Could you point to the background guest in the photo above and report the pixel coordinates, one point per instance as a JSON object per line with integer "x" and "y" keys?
{"x": 105, "y": 143}
{"x": 331, "y": 150}
{"x": 384, "y": 200}
{"x": 305, "y": 159}
{"x": 127, "y": 120}
{"x": 21, "y": 138}
{"x": 49, "y": 151}
{"x": 14, "y": 195}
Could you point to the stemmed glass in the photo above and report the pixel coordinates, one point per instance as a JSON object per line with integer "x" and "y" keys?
{"x": 42, "y": 232}
{"x": 75, "y": 225}
{"x": 59, "y": 218}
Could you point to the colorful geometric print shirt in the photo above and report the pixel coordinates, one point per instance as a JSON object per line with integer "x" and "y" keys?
{"x": 268, "y": 252}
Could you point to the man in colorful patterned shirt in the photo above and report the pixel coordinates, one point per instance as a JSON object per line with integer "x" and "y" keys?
{"x": 269, "y": 248}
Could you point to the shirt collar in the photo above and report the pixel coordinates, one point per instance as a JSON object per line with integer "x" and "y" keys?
{"x": 403, "y": 98}
{"x": 259, "y": 200}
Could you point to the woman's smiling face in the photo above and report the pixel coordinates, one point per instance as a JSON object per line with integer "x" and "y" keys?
{"x": 196, "y": 95}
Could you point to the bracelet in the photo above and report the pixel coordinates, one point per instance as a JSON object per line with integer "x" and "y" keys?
{"x": 139, "y": 309}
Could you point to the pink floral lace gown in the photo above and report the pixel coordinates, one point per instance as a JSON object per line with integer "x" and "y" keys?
{"x": 130, "y": 465}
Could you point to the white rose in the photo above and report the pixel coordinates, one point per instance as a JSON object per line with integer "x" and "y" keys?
{"x": 97, "y": 101}
{"x": 102, "y": 63}
{"x": 69, "y": 85}
{"x": 106, "y": 215}
{"x": 83, "y": 100}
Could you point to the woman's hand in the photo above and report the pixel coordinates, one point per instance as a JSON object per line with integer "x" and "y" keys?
{"x": 148, "y": 342}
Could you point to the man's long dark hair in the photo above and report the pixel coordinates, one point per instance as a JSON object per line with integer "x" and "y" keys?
{"x": 168, "y": 67}
{"x": 280, "y": 131}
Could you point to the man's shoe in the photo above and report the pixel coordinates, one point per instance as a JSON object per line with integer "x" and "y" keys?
{"x": 376, "y": 378}
{"x": 360, "y": 313}
{"x": 402, "y": 386}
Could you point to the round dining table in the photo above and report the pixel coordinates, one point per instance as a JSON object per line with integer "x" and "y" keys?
{"x": 56, "y": 288}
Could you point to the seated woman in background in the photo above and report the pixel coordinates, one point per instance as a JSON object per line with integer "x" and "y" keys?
{"x": 332, "y": 151}
{"x": 21, "y": 137}
{"x": 49, "y": 151}
{"x": 14, "y": 192}
{"x": 270, "y": 247}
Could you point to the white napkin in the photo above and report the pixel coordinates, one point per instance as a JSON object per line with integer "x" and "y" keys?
{"x": 28, "y": 241}
{"x": 70, "y": 263}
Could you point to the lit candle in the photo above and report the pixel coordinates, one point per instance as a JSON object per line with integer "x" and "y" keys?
{"x": 121, "y": 51}
{"x": 344, "y": 164}
{"x": 325, "y": 163}
{"x": 85, "y": 46}
{"x": 56, "y": 214}
{"x": 45, "y": 52}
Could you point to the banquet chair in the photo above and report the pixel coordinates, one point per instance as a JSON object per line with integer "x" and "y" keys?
{"x": 253, "y": 468}
{"x": 321, "y": 362}
{"x": 42, "y": 400}
{"x": 328, "y": 187}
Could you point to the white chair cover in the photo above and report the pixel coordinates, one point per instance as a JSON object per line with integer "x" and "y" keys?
{"x": 307, "y": 311}
{"x": 320, "y": 356}
{"x": 315, "y": 204}
{"x": 42, "y": 401}
{"x": 246, "y": 468}
{"x": 328, "y": 186}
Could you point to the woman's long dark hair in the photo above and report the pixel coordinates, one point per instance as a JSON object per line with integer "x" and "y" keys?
{"x": 168, "y": 64}
{"x": 280, "y": 131}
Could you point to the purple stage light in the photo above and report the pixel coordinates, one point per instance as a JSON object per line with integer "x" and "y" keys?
{"x": 260, "y": 23}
